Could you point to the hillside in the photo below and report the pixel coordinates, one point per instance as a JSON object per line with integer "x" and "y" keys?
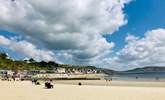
{"x": 148, "y": 69}
{"x": 6, "y": 63}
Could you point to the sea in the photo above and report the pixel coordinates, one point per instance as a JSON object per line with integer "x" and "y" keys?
{"x": 141, "y": 76}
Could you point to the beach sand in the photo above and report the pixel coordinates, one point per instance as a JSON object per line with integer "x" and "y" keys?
{"x": 26, "y": 91}
{"x": 114, "y": 83}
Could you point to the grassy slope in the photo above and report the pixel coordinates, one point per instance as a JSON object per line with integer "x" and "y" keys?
{"x": 9, "y": 64}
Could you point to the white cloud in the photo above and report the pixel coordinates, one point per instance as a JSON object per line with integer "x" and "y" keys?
{"x": 25, "y": 48}
{"x": 140, "y": 52}
{"x": 73, "y": 26}
{"x": 4, "y": 41}
{"x": 72, "y": 32}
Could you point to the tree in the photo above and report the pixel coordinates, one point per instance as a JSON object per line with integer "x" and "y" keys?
{"x": 31, "y": 60}
{"x": 43, "y": 64}
{"x": 3, "y": 56}
{"x": 52, "y": 63}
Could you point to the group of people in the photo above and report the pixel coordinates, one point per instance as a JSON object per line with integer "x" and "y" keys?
{"x": 108, "y": 80}
{"x": 48, "y": 85}
{"x": 10, "y": 78}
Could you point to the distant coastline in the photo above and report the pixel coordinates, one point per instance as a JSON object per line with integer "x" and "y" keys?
{"x": 29, "y": 69}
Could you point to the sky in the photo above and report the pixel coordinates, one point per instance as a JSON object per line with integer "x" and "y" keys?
{"x": 114, "y": 34}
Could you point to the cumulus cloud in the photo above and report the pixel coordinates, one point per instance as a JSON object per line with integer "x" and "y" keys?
{"x": 72, "y": 26}
{"x": 25, "y": 48}
{"x": 140, "y": 52}
{"x": 72, "y": 30}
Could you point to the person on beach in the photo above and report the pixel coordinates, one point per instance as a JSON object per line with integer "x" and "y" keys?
{"x": 34, "y": 81}
{"x": 110, "y": 80}
{"x": 48, "y": 85}
{"x": 157, "y": 78}
{"x": 13, "y": 77}
{"x": 79, "y": 83}
{"x": 137, "y": 77}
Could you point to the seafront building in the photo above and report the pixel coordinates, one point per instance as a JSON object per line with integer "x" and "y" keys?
{"x": 58, "y": 72}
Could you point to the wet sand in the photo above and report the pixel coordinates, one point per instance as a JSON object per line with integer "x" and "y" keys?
{"x": 114, "y": 83}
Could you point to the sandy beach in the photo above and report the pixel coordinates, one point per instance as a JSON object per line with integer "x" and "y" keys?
{"x": 26, "y": 91}
{"x": 114, "y": 83}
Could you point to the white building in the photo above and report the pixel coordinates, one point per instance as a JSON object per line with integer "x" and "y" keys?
{"x": 61, "y": 70}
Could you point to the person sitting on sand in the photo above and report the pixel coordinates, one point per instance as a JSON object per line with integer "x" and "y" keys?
{"x": 37, "y": 83}
{"x": 48, "y": 85}
{"x": 79, "y": 83}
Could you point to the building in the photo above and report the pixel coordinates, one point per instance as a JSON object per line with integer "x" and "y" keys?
{"x": 61, "y": 70}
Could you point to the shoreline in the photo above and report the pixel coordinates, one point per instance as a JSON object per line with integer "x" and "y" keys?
{"x": 94, "y": 82}
{"x": 99, "y": 82}
{"x": 112, "y": 83}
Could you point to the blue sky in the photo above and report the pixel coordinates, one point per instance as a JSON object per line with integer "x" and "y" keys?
{"x": 142, "y": 16}
{"x": 43, "y": 33}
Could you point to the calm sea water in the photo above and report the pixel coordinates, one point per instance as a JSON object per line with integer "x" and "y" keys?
{"x": 157, "y": 76}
